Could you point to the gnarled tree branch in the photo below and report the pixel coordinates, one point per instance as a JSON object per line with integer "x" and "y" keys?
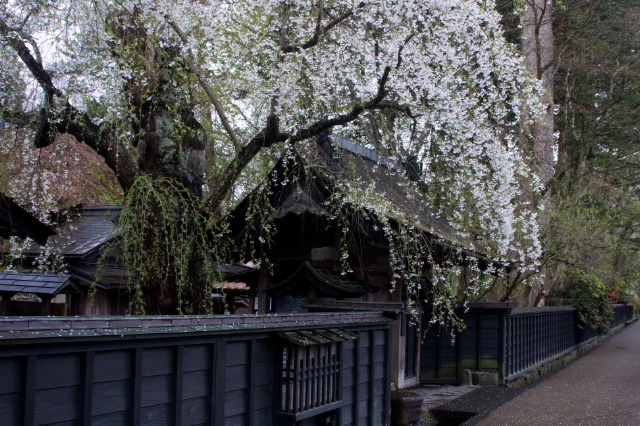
{"x": 70, "y": 120}
{"x": 318, "y": 31}
{"x": 35, "y": 67}
{"x": 270, "y": 136}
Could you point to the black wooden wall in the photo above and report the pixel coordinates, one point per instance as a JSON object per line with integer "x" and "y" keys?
{"x": 365, "y": 378}
{"x": 507, "y": 340}
{"x": 179, "y": 380}
{"x": 479, "y": 347}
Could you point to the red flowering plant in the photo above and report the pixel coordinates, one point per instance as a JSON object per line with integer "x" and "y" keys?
{"x": 591, "y": 297}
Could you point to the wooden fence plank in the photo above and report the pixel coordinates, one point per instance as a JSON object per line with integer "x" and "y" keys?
{"x": 88, "y": 387}
{"x": 30, "y": 390}
{"x": 220, "y": 364}
{"x": 136, "y": 387}
{"x": 178, "y": 385}
{"x": 253, "y": 356}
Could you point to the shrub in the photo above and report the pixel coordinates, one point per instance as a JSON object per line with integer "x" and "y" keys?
{"x": 591, "y": 297}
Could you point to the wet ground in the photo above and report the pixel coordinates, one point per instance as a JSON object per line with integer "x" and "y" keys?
{"x": 600, "y": 388}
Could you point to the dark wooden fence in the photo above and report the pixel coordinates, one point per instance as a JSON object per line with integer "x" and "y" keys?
{"x": 304, "y": 369}
{"x": 622, "y": 313}
{"x": 535, "y": 335}
{"x": 506, "y": 340}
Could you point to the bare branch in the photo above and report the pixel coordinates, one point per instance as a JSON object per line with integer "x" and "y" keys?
{"x": 396, "y": 106}
{"x": 319, "y": 31}
{"x": 33, "y": 44}
{"x": 406, "y": 40}
{"x": 284, "y": 21}
{"x": 403, "y": 108}
{"x": 340, "y": 120}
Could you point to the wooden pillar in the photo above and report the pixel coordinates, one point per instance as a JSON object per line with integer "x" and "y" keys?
{"x": 45, "y": 306}
{"x": 397, "y": 360}
{"x": 252, "y": 298}
{"x": 263, "y": 296}
{"x": 5, "y": 302}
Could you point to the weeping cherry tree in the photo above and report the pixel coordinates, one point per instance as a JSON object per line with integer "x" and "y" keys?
{"x": 191, "y": 103}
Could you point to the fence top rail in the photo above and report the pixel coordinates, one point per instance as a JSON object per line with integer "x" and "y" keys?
{"x": 14, "y": 330}
{"x": 541, "y": 311}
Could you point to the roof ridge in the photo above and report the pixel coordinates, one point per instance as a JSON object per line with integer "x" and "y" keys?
{"x": 366, "y": 153}
{"x": 102, "y": 207}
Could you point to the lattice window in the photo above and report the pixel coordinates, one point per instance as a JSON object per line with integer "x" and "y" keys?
{"x": 311, "y": 369}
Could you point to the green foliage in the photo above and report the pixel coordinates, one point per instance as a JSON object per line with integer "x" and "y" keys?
{"x": 171, "y": 252}
{"x": 593, "y": 210}
{"x": 591, "y": 297}
{"x": 589, "y": 234}
{"x": 591, "y": 206}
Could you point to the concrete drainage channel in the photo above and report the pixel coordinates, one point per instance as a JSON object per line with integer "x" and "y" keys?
{"x": 415, "y": 406}
{"x": 446, "y": 405}
{"x": 473, "y": 405}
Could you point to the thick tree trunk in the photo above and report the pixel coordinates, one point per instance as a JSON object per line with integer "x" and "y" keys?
{"x": 170, "y": 141}
{"x": 537, "y": 47}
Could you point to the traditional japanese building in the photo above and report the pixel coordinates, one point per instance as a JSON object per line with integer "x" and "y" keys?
{"x": 303, "y": 240}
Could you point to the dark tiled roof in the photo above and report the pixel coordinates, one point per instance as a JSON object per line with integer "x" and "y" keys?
{"x": 366, "y": 153}
{"x": 354, "y": 163}
{"x": 234, "y": 269}
{"x": 319, "y": 336}
{"x": 325, "y": 165}
{"x": 14, "y": 220}
{"x": 34, "y": 283}
{"x": 111, "y": 276}
{"x": 388, "y": 180}
{"x": 83, "y": 234}
{"x": 116, "y": 276}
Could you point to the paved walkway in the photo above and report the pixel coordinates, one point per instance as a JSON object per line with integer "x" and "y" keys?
{"x": 600, "y": 388}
